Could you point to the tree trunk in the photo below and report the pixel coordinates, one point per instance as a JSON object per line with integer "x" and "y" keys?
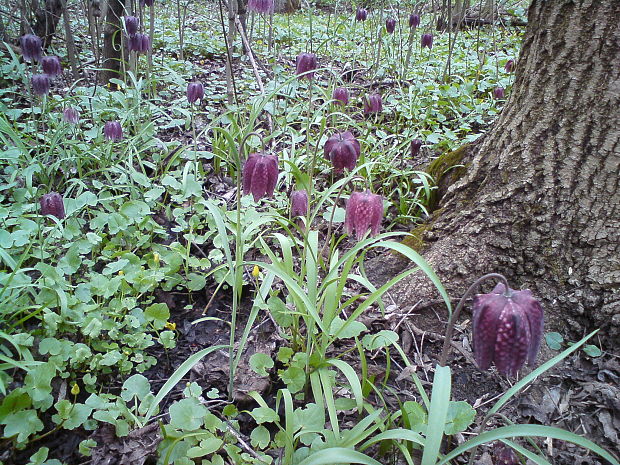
{"x": 46, "y": 20}
{"x": 287, "y": 6}
{"x": 112, "y": 50}
{"x": 539, "y": 198}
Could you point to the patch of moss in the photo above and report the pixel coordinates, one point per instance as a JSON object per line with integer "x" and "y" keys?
{"x": 443, "y": 171}
{"x": 416, "y": 239}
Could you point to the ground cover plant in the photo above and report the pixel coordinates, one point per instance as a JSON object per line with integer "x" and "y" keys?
{"x": 189, "y": 221}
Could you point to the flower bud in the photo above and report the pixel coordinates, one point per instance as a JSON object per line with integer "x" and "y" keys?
{"x": 361, "y": 14}
{"x": 52, "y": 204}
{"x": 341, "y": 95}
{"x": 113, "y": 131}
{"x": 509, "y": 66}
{"x": 427, "y": 41}
{"x": 364, "y": 212}
{"x": 51, "y": 65}
{"x": 71, "y": 115}
{"x": 305, "y": 63}
{"x": 342, "y": 150}
{"x": 260, "y": 175}
{"x": 299, "y": 203}
{"x": 131, "y": 25}
{"x": 255, "y": 272}
{"x": 499, "y": 93}
{"x": 373, "y": 104}
{"x": 40, "y": 84}
{"x": 195, "y": 91}
{"x": 75, "y": 389}
{"x": 390, "y": 25}
{"x": 32, "y": 47}
{"x": 261, "y": 6}
{"x": 416, "y": 145}
{"x": 508, "y": 327}
{"x": 414, "y": 20}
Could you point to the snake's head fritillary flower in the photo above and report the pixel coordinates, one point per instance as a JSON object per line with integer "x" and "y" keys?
{"x": 390, "y": 25}
{"x": 416, "y": 145}
{"x": 260, "y": 174}
{"x": 427, "y": 40}
{"x": 299, "y": 203}
{"x": 32, "y": 47}
{"x": 509, "y": 66}
{"x": 51, "y": 65}
{"x": 343, "y": 150}
{"x": 361, "y": 14}
{"x": 499, "y": 93}
{"x": 508, "y": 327}
{"x": 113, "y": 131}
{"x": 40, "y": 84}
{"x": 71, "y": 115}
{"x": 52, "y": 204}
{"x": 373, "y": 104}
{"x": 305, "y": 64}
{"x": 414, "y": 20}
{"x": 341, "y": 96}
{"x": 364, "y": 213}
{"x": 195, "y": 92}
{"x": 261, "y": 6}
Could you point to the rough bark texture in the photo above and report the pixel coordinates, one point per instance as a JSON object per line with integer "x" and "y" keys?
{"x": 47, "y": 17}
{"x": 112, "y": 49}
{"x": 540, "y": 198}
{"x": 287, "y": 6}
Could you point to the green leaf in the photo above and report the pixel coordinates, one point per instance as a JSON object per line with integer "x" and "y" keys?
{"x": 554, "y": 340}
{"x": 353, "y": 328}
{"x": 414, "y": 416}
{"x": 280, "y": 313}
{"x": 260, "y": 363}
{"x": 440, "y": 400}
{"x": 187, "y": 414}
{"x": 22, "y": 423}
{"x": 338, "y": 455}
{"x": 85, "y": 447}
{"x": 158, "y": 314}
{"x": 196, "y": 282}
{"x": 382, "y": 339}
{"x": 135, "y": 386}
{"x": 592, "y": 350}
{"x": 264, "y": 415}
{"x": 294, "y": 378}
{"x": 260, "y": 437}
{"x": 460, "y": 416}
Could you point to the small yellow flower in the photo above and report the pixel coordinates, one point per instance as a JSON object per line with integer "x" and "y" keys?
{"x": 121, "y": 273}
{"x": 255, "y": 271}
{"x": 171, "y": 326}
{"x": 156, "y": 258}
{"x": 75, "y": 389}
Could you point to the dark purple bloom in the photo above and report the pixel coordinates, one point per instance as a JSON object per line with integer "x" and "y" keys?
{"x": 71, "y": 115}
{"x": 32, "y": 47}
{"x": 373, "y": 104}
{"x": 343, "y": 150}
{"x": 260, "y": 174}
{"x": 113, "y": 130}
{"x": 499, "y": 92}
{"x": 51, "y": 204}
{"x": 145, "y": 43}
{"x": 51, "y": 65}
{"x": 131, "y": 25}
{"x": 341, "y": 95}
{"x": 299, "y": 203}
{"x": 427, "y": 40}
{"x": 40, "y": 84}
{"x": 509, "y": 66}
{"x": 390, "y": 25}
{"x": 261, "y": 6}
{"x": 146, "y": 2}
{"x": 504, "y": 455}
{"x": 416, "y": 145}
{"x": 508, "y": 328}
{"x": 364, "y": 212}
{"x": 361, "y": 14}
{"x": 414, "y": 20}
{"x": 139, "y": 43}
{"x": 305, "y": 63}
{"x": 195, "y": 91}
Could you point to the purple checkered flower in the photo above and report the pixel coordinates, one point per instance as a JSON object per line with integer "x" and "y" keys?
{"x": 51, "y": 65}
{"x": 32, "y": 47}
{"x": 71, "y": 115}
{"x": 499, "y": 93}
{"x": 131, "y": 25}
{"x": 390, "y": 25}
{"x": 343, "y": 150}
{"x": 364, "y": 213}
{"x": 361, "y": 14}
{"x": 260, "y": 174}
{"x": 299, "y": 203}
{"x": 305, "y": 63}
{"x": 40, "y": 84}
{"x": 113, "y": 131}
{"x": 509, "y": 66}
{"x": 51, "y": 204}
{"x": 508, "y": 327}
{"x": 427, "y": 40}
{"x": 414, "y": 20}
{"x": 341, "y": 95}
{"x": 261, "y": 6}
{"x": 373, "y": 104}
{"x": 195, "y": 91}
{"x": 416, "y": 145}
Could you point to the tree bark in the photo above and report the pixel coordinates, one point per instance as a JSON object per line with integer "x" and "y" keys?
{"x": 112, "y": 50}
{"x": 539, "y": 200}
{"x": 46, "y": 20}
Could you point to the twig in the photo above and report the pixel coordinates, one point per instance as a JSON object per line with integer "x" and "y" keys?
{"x": 244, "y": 444}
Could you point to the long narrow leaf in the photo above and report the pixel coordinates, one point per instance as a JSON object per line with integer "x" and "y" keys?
{"x": 440, "y": 399}
{"x": 338, "y": 455}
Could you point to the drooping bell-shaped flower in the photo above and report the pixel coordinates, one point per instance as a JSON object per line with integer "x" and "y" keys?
{"x": 40, "y": 84}
{"x": 32, "y": 47}
{"x": 131, "y": 25}
{"x": 361, "y": 14}
{"x": 51, "y": 65}
{"x": 341, "y": 96}
{"x": 390, "y": 25}
{"x": 113, "y": 131}
{"x": 499, "y": 92}
{"x": 260, "y": 174}
{"x": 71, "y": 115}
{"x": 299, "y": 203}
{"x": 509, "y": 66}
{"x": 139, "y": 43}
{"x": 508, "y": 328}
{"x": 261, "y": 6}
{"x": 364, "y": 213}
{"x": 416, "y": 145}
{"x": 414, "y": 20}
{"x": 145, "y": 43}
{"x": 343, "y": 150}
{"x": 505, "y": 455}
{"x": 52, "y": 204}
{"x": 427, "y": 40}
{"x": 305, "y": 64}
{"x": 195, "y": 91}
{"x": 373, "y": 104}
